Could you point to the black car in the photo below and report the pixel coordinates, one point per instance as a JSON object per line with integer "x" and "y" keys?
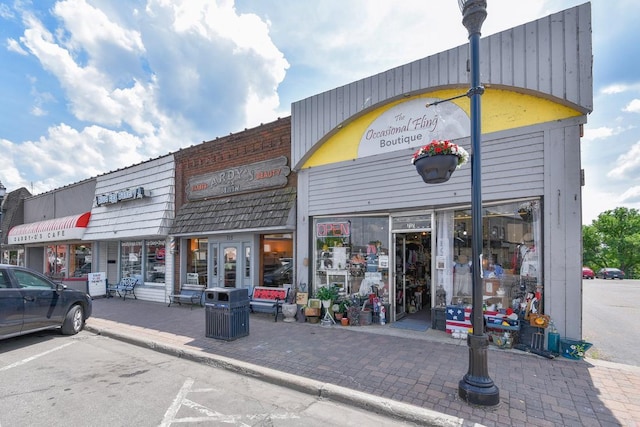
{"x": 279, "y": 276}
{"x": 31, "y": 302}
{"x": 610, "y": 273}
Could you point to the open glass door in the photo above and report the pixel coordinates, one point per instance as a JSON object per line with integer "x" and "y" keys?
{"x": 401, "y": 276}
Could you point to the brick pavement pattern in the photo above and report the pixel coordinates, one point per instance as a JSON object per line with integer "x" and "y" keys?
{"x": 415, "y": 368}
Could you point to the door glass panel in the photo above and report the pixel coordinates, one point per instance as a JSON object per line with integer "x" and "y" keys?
{"x": 214, "y": 263}
{"x": 247, "y": 262}
{"x": 230, "y": 255}
{"x": 401, "y": 276}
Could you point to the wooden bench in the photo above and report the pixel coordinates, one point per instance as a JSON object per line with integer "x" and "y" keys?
{"x": 127, "y": 286}
{"x": 269, "y": 298}
{"x": 189, "y": 294}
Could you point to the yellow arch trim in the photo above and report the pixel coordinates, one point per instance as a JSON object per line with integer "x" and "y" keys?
{"x": 501, "y": 110}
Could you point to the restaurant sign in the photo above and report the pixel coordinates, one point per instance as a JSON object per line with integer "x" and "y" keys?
{"x": 271, "y": 173}
{"x": 120, "y": 196}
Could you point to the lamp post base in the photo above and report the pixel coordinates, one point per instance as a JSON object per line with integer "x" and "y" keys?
{"x": 476, "y": 387}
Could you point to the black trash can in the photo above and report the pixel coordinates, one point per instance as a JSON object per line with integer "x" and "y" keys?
{"x": 227, "y": 313}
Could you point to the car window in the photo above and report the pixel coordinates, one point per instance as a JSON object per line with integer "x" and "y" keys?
{"x": 4, "y": 280}
{"x": 28, "y": 280}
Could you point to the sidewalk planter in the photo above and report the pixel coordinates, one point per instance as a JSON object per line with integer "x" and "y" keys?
{"x": 573, "y": 349}
{"x": 312, "y": 314}
{"x": 289, "y": 311}
{"x": 366, "y": 317}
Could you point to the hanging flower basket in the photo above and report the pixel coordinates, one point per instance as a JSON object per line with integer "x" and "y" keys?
{"x": 436, "y": 161}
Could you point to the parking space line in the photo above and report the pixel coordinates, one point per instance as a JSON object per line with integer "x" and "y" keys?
{"x": 29, "y": 359}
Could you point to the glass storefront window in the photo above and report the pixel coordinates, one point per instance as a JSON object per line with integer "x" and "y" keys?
{"x": 155, "y": 261}
{"x": 56, "y": 266}
{"x": 277, "y": 259}
{"x": 131, "y": 259}
{"x": 511, "y": 262}
{"x": 197, "y": 258}
{"x": 80, "y": 260}
{"x": 352, "y": 253}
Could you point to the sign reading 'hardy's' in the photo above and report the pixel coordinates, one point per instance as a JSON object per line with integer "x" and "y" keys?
{"x": 242, "y": 179}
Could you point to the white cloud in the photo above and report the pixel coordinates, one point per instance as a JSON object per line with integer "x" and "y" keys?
{"x": 633, "y": 106}
{"x": 144, "y": 81}
{"x": 627, "y": 164}
{"x": 617, "y": 88}
{"x": 14, "y": 46}
{"x": 597, "y": 133}
{"x": 631, "y": 195}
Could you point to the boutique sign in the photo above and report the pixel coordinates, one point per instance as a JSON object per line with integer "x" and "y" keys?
{"x": 411, "y": 124}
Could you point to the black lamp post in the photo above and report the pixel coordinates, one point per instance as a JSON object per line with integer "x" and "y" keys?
{"x": 476, "y": 387}
{"x": 3, "y": 192}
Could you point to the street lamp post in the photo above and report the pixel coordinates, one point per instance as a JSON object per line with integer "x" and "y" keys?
{"x": 476, "y": 387}
{"x": 3, "y": 191}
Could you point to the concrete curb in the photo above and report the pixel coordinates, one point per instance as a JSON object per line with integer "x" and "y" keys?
{"x": 383, "y": 406}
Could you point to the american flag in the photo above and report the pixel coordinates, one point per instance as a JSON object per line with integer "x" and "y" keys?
{"x": 458, "y": 319}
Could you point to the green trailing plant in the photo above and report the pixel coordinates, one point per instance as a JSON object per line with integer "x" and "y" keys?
{"x": 344, "y": 304}
{"x": 325, "y": 293}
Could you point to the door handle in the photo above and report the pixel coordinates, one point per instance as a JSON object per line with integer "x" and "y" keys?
{"x": 29, "y": 298}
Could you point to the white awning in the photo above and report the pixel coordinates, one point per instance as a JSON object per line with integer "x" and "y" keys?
{"x": 52, "y": 230}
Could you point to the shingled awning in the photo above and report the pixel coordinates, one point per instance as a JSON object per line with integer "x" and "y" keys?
{"x": 266, "y": 209}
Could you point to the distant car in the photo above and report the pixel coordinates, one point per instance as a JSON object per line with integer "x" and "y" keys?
{"x": 610, "y": 273}
{"x": 83, "y": 271}
{"x": 30, "y": 302}
{"x": 279, "y": 276}
{"x": 587, "y": 273}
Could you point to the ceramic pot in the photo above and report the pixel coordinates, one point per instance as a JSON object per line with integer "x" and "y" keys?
{"x": 436, "y": 169}
{"x": 344, "y": 321}
{"x": 289, "y": 311}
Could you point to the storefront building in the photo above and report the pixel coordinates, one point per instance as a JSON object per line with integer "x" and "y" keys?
{"x": 132, "y": 210}
{"x": 51, "y": 238}
{"x": 235, "y": 200}
{"x": 368, "y": 222}
{"x": 12, "y": 207}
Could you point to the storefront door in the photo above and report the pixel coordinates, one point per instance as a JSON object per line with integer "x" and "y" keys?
{"x": 401, "y": 275}
{"x": 412, "y": 273}
{"x": 229, "y": 264}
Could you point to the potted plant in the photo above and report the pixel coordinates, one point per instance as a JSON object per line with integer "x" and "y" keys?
{"x": 341, "y": 311}
{"x": 436, "y": 161}
{"x": 327, "y": 294}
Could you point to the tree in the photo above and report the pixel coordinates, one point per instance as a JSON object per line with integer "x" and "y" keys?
{"x": 592, "y": 254}
{"x": 613, "y": 240}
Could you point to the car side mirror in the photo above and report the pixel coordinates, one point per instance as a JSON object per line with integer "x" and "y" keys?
{"x": 60, "y": 287}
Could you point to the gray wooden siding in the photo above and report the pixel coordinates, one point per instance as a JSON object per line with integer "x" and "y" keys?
{"x": 135, "y": 219}
{"x": 512, "y": 166}
{"x": 550, "y": 57}
{"x": 563, "y": 230}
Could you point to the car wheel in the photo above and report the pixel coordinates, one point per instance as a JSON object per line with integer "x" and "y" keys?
{"x": 73, "y": 321}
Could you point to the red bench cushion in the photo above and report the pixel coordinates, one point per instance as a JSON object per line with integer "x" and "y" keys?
{"x": 270, "y": 294}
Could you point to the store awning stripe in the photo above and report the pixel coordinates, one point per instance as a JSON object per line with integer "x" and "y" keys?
{"x": 49, "y": 230}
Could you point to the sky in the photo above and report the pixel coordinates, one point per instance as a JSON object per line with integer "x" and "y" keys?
{"x": 92, "y": 86}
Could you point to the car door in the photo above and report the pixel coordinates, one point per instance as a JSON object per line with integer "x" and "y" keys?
{"x": 11, "y": 307}
{"x": 43, "y": 304}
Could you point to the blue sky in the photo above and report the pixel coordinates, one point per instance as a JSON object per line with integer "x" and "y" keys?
{"x": 91, "y": 86}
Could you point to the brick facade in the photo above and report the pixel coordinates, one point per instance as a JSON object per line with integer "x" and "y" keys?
{"x": 264, "y": 142}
